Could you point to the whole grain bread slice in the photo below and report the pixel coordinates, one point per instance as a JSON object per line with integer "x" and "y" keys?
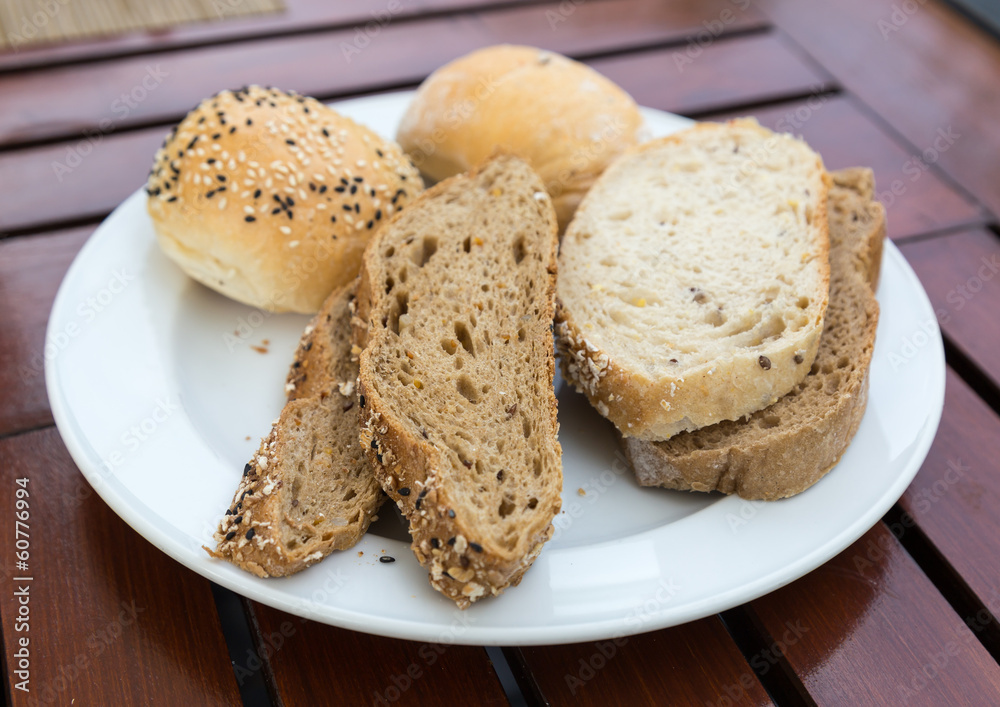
{"x": 694, "y": 278}
{"x": 786, "y": 448}
{"x": 458, "y": 412}
{"x": 309, "y": 489}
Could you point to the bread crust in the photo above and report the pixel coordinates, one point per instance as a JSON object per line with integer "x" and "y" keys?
{"x": 787, "y": 459}
{"x": 247, "y": 196}
{"x": 442, "y": 541}
{"x": 565, "y": 119}
{"x": 658, "y": 409}
{"x": 250, "y": 534}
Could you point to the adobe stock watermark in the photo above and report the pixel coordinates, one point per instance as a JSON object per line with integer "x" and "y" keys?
{"x": 899, "y": 16}
{"x": 365, "y": 34}
{"x": 562, "y": 13}
{"x": 917, "y": 165}
{"x": 736, "y": 693}
{"x": 32, "y": 25}
{"x": 605, "y": 651}
{"x": 593, "y": 490}
{"x": 121, "y": 108}
{"x": 427, "y": 655}
{"x": 86, "y": 312}
{"x": 706, "y": 37}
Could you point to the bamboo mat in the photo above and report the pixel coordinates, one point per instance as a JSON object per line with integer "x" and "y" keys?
{"x": 28, "y": 22}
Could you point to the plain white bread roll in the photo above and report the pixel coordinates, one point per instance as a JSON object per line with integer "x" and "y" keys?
{"x": 270, "y": 197}
{"x": 564, "y": 118}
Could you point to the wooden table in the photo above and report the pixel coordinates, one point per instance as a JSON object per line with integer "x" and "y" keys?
{"x": 907, "y": 615}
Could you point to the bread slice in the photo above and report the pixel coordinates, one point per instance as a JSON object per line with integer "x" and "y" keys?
{"x": 693, "y": 279}
{"x": 309, "y": 489}
{"x": 786, "y": 448}
{"x": 455, "y": 306}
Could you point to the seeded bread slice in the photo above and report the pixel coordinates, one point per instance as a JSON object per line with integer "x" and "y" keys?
{"x": 786, "y": 448}
{"x": 458, "y": 411}
{"x": 309, "y": 489}
{"x": 694, "y": 278}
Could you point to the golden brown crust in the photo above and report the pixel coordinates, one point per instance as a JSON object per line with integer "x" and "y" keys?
{"x": 786, "y": 459}
{"x": 566, "y": 120}
{"x": 248, "y": 196}
{"x": 658, "y": 409}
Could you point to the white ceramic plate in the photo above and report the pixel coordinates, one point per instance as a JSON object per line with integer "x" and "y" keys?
{"x": 161, "y": 399}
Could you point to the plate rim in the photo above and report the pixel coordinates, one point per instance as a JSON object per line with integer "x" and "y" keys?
{"x": 547, "y": 634}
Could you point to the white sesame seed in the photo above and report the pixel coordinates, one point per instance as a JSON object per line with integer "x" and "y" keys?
{"x": 241, "y": 156}
{"x": 231, "y": 164}
{"x": 303, "y": 195}
{"x": 291, "y": 179}
{"x": 285, "y": 229}
{"x": 222, "y": 203}
{"x": 359, "y": 225}
{"x": 248, "y": 209}
{"x": 206, "y": 167}
{"x": 293, "y": 244}
{"x": 361, "y": 163}
{"x": 253, "y": 164}
{"x": 248, "y": 182}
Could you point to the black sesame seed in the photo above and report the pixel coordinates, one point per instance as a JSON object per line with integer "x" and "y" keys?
{"x": 340, "y": 190}
{"x": 216, "y": 136}
{"x": 290, "y": 201}
{"x": 333, "y": 219}
{"x": 250, "y": 534}
{"x": 232, "y": 130}
{"x": 190, "y": 144}
{"x": 357, "y": 208}
{"x": 249, "y": 122}
{"x": 322, "y": 189}
{"x": 173, "y": 198}
{"x": 378, "y": 215}
{"x": 246, "y": 469}
{"x": 211, "y": 160}
{"x": 379, "y": 152}
{"x": 798, "y": 358}
{"x": 361, "y": 399}
{"x": 326, "y": 133}
{"x": 451, "y": 540}
{"x": 379, "y": 457}
{"x": 347, "y": 207}
{"x": 764, "y": 362}
{"x": 370, "y": 224}
{"x": 289, "y": 141}
{"x": 386, "y": 559}
{"x": 249, "y": 219}
{"x": 228, "y": 512}
{"x": 673, "y": 360}
{"x": 451, "y": 513}
{"x": 435, "y": 543}
{"x": 230, "y": 535}
{"x": 256, "y": 194}
{"x": 221, "y": 189}
{"x": 209, "y": 194}
{"x": 405, "y": 491}
{"x": 374, "y": 443}
{"x": 221, "y": 177}
{"x": 344, "y": 181}
{"x": 359, "y": 179}
{"x": 275, "y": 211}
{"x": 239, "y": 519}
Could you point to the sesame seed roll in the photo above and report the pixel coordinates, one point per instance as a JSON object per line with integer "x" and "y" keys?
{"x": 270, "y": 197}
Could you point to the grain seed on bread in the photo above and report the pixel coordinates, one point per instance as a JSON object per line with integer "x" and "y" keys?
{"x": 786, "y": 448}
{"x": 683, "y": 302}
{"x": 458, "y": 411}
{"x": 309, "y": 489}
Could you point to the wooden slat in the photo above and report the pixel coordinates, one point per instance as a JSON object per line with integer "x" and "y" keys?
{"x": 693, "y": 664}
{"x": 54, "y": 183}
{"x": 162, "y": 87}
{"x": 113, "y": 621}
{"x": 869, "y": 625}
{"x": 955, "y": 496}
{"x": 312, "y": 663}
{"x": 846, "y": 137}
{"x": 299, "y": 16}
{"x": 30, "y": 272}
{"x": 961, "y": 273}
{"x": 694, "y": 79}
{"x": 923, "y": 68}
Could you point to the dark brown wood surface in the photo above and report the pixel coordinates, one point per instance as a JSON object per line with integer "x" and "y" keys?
{"x": 312, "y": 663}
{"x": 961, "y": 273}
{"x": 693, "y": 664}
{"x": 112, "y": 620}
{"x": 911, "y": 621}
{"x": 846, "y": 135}
{"x": 30, "y": 272}
{"x": 869, "y": 627}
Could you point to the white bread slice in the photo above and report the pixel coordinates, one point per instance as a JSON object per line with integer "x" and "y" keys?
{"x": 693, "y": 279}
{"x": 786, "y": 448}
{"x": 309, "y": 489}
{"x": 454, "y": 310}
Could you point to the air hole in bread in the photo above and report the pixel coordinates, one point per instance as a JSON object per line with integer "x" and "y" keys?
{"x": 519, "y": 251}
{"x": 533, "y": 502}
{"x": 428, "y": 248}
{"x": 450, "y": 346}
{"x": 351, "y": 493}
{"x": 715, "y": 317}
{"x": 467, "y": 388}
{"x": 814, "y": 369}
{"x": 292, "y": 544}
{"x": 467, "y": 244}
{"x": 390, "y": 251}
{"x": 402, "y": 307}
{"x": 506, "y": 506}
{"x": 327, "y": 537}
{"x": 356, "y": 517}
{"x": 464, "y": 338}
{"x": 389, "y": 284}
{"x": 843, "y": 362}
{"x": 486, "y": 288}
{"x": 521, "y": 334}
{"x": 803, "y": 302}
{"x": 459, "y": 362}
{"x": 473, "y": 320}
{"x": 771, "y": 328}
{"x": 832, "y": 383}
{"x": 826, "y": 367}
{"x": 620, "y": 215}
{"x": 769, "y": 421}
{"x": 526, "y": 426}
{"x": 403, "y": 378}
{"x": 402, "y": 275}
{"x": 537, "y": 469}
